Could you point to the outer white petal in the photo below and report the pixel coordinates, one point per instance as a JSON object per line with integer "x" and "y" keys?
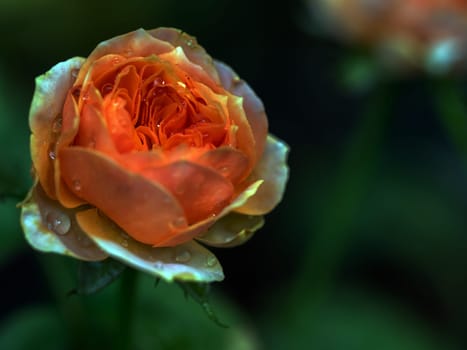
{"x": 188, "y": 262}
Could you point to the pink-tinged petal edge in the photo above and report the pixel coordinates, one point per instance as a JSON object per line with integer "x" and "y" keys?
{"x": 187, "y": 262}
{"x": 49, "y": 227}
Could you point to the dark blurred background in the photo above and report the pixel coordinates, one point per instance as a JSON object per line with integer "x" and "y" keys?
{"x": 367, "y": 249}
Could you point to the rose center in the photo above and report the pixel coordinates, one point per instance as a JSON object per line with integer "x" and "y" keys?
{"x": 148, "y": 106}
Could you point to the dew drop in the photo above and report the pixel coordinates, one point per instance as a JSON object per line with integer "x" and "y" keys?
{"x": 179, "y": 222}
{"x": 224, "y": 169}
{"x": 77, "y": 185}
{"x": 211, "y": 261}
{"x": 74, "y": 73}
{"x": 183, "y": 256}
{"x": 190, "y": 43}
{"x": 158, "y": 265}
{"x": 158, "y": 81}
{"x": 57, "y": 124}
{"x": 124, "y": 243}
{"x": 52, "y": 155}
{"x": 58, "y": 222}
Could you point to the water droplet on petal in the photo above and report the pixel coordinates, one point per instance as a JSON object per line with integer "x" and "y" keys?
{"x": 74, "y": 73}
{"x": 183, "y": 256}
{"x": 158, "y": 265}
{"x": 158, "y": 82}
{"x": 52, "y": 155}
{"x": 224, "y": 169}
{"x": 58, "y": 222}
{"x": 77, "y": 185}
{"x": 179, "y": 222}
{"x": 124, "y": 243}
{"x": 57, "y": 124}
{"x": 211, "y": 261}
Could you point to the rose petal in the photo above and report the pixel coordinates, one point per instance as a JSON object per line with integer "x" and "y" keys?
{"x": 49, "y": 227}
{"x": 141, "y": 207}
{"x": 202, "y": 226}
{"x": 252, "y": 105}
{"x": 187, "y": 262}
{"x": 231, "y": 230}
{"x": 45, "y": 117}
{"x": 178, "y": 58}
{"x": 201, "y": 191}
{"x": 272, "y": 168}
{"x": 193, "y": 51}
{"x": 229, "y": 162}
{"x": 134, "y": 44}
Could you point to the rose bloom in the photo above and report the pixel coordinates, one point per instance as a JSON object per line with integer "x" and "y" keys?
{"x": 407, "y": 34}
{"x": 146, "y": 149}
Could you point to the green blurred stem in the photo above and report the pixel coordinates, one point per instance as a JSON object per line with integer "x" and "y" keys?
{"x": 332, "y": 231}
{"x": 453, "y": 114}
{"x": 127, "y": 306}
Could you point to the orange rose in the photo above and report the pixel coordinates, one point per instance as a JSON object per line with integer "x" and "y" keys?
{"x": 146, "y": 148}
{"x": 430, "y": 34}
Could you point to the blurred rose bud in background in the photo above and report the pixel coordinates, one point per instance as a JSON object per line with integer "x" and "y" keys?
{"x": 406, "y": 35}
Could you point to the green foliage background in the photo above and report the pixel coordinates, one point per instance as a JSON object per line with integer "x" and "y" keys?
{"x": 367, "y": 249}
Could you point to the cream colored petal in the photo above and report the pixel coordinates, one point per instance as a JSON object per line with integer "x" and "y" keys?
{"x": 187, "y": 262}
{"x": 273, "y": 170}
{"x": 49, "y": 227}
{"x": 232, "y": 230}
{"x": 45, "y": 117}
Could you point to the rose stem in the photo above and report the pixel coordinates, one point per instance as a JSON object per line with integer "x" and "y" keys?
{"x": 127, "y": 305}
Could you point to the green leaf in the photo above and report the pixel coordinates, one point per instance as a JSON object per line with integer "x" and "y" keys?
{"x": 94, "y": 276}
{"x": 200, "y": 292}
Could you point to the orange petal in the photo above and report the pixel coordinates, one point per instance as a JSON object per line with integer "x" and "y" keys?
{"x": 70, "y": 125}
{"x": 232, "y": 230}
{"x": 187, "y": 262}
{"x": 227, "y": 161}
{"x": 145, "y": 210}
{"x": 201, "y": 191}
{"x": 134, "y": 44}
{"x": 45, "y": 117}
{"x": 252, "y": 105}
{"x": 201, "y": 227}
{"x": 272, "y": 168}
{"x": 49, "y": 227}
